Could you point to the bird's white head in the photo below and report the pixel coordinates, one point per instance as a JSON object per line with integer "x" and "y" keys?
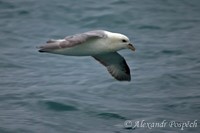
{"x": 119, "y": 41}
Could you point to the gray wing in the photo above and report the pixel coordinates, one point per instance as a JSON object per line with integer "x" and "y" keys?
{"x": 116, "y": 65}
{"x": 71, "y": 41}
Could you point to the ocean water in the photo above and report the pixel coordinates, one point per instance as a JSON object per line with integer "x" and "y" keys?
{"x": 42, "y": 93}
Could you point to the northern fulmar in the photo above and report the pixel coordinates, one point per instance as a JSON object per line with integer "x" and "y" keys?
{"x": 100, "y": 44}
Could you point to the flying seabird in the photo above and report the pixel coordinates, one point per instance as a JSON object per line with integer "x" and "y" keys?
{"x": 100, "y": 44}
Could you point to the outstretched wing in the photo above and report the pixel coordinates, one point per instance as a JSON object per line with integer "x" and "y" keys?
{"x": 116, "y": 65}
{"x": 71, "y": 41}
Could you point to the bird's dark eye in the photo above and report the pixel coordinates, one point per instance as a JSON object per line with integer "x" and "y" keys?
{"x": 123, "y": 40}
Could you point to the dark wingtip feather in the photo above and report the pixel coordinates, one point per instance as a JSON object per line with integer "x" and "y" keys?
{"x": 51, "y": 41}
{"x": 41, "y": 51}
{"x": 126, "y": 78}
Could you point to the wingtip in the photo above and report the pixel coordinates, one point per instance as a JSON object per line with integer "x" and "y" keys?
{"x": 41, "y": 51}
{"x": 123, "y": 79}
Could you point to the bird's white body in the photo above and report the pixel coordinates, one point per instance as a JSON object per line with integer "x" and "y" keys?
{"x": 87, "y": 49}
{"x": 93, "y": 47}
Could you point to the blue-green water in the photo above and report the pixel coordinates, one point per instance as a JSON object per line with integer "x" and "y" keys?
{"x": 42, "y": 93}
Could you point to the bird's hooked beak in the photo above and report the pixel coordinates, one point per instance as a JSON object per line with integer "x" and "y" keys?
{"x": 130, "y": 46}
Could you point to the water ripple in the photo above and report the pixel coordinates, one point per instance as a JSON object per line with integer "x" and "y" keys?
{"x": 57, "y": 106}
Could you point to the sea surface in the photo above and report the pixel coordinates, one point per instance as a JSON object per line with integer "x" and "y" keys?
{"x": 48, "y": 93}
